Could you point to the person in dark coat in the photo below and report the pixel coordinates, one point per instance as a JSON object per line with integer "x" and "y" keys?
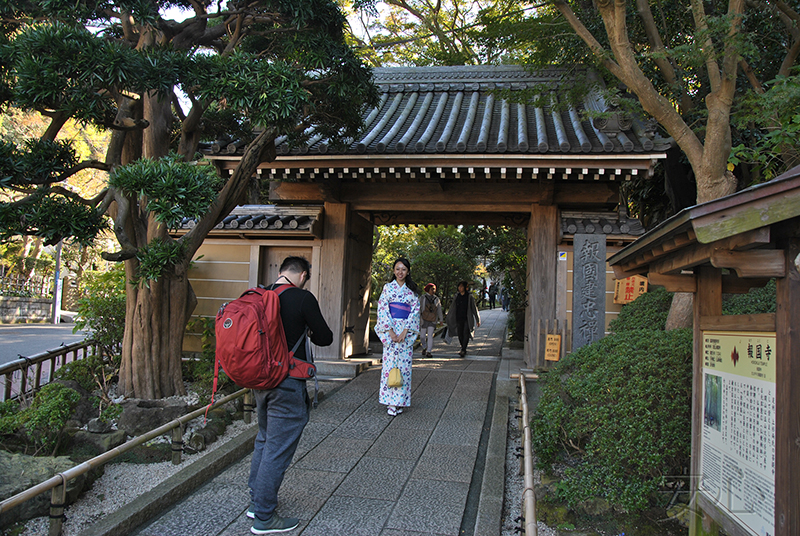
{"x": 463, "y": 317}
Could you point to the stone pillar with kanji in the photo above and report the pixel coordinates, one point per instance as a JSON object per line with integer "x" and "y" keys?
{"x": 588, "y": 289}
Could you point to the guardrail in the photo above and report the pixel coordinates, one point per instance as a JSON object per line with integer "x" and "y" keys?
{"x": 27, "y": 374}
{"x": 528, "y": 494}
{"x": 58, "y": 483}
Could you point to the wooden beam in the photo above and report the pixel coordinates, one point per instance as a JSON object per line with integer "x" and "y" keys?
{"x": 330, "y": 189}
{"x": 698, "y": 254}
{"x": 781, "y": 206}
{"x": 760, "y": 322}
{"x": 296, "y": 192}
{"x": 430, "y": 217}
{"x": 673, "y": 283}
{"x": 621, "y": 273}
{"x": 606, "y": 164}
{"x": 736, "y": 285}
{"x": 449, "y": 195}
{"x": 331, "y": 281}
{"x": 756, "y": 263}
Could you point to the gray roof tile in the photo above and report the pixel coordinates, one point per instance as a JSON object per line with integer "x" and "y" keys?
{"x": 429, "y": 110}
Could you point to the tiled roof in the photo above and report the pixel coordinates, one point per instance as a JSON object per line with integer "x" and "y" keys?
{"x": 452, "y": 110}
{"x": 606, "y": 223}
{"x": 266, "y": 219}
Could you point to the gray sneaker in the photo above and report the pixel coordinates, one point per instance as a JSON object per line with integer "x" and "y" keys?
{"x": 274, "y": 524}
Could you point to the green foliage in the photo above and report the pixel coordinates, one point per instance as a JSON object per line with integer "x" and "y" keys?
{"x": 508, "y": 261}
{"x": 80, "y": 371}
{"x": 648, "y": 311}
{"x": 623, "y": 406}
{"x": 101, "y": 310}
{"x": 201, "y": 369}
{"x": 44, "y": 419}
{"x": 437, "y": 255}
{"x": 51, "y": 217}
{"x": 757, "y": 301}
{"x": 36, "y": 162}
{"x": 9, "y": 417}
{"x": 174, "y": 189}
{"x": 108, "y": 412}
{"x": 770, "y": 127}
{"x": 156, "y": 258}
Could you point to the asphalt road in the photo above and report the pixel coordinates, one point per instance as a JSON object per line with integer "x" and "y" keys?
{"x": 30, "y": 339}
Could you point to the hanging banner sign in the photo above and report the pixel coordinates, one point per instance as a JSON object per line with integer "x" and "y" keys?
{"x": 628, "y": 289}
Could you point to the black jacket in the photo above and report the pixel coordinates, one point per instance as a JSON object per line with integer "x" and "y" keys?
{"x": 299, "y": 308}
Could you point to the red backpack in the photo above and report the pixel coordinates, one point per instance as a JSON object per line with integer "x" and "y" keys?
{"x": 251, "y": 343}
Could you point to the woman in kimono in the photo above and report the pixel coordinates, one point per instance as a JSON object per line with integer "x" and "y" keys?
{"x": 397, "y": 328}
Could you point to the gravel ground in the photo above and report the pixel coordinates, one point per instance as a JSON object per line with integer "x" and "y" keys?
{"x": 120, "y": 484}
{"x": 515, "y": 482}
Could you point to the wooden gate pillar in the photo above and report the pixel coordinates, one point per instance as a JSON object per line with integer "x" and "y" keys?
{"x": 332, "y": 276}
{"x": 542, "y": 260}
{"x": 344, "y": 280}
{"x": 787, "y": 392}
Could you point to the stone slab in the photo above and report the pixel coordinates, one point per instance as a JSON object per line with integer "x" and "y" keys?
{"x": 377, "y": 478}
{"x": 430, "y": 506}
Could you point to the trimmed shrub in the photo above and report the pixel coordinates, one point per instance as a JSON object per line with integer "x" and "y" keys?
{"x": 621, "y": 408}
{"x": 44, "y": 419}
{"x": 758, "y": 300}
{"x": 648, "y": 311}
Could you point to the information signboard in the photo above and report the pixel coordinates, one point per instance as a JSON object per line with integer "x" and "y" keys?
{"x": 737, "y": 451}
{"x": 552, "y": 349}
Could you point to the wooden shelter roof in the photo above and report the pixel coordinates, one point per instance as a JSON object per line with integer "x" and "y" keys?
{"x": 733, "y": 232}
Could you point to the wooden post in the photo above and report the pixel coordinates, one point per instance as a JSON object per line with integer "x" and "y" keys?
{"x": 177, "y": 445}
{"x": 708, "y": 302}
{"x": 247, "y": 407}
{"x": 542, "y": 259}
{"x": 58, "y": 496}
{"x": 332, "y": 273}
{"x": 357, "y": 273}
{"x": 787, "y": 396}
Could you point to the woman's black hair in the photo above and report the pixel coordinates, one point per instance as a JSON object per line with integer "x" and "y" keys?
{"x": 409, "y": 282}
{"x": 466, "y": 285}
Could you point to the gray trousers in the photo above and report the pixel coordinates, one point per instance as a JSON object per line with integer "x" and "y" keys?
{"x": 282, "y": 415}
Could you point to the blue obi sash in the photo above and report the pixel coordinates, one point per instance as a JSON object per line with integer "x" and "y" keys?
{"x": 399, "y": 310}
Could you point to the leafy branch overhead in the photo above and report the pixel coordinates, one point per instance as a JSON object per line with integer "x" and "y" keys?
{"x": 247, "y": 72}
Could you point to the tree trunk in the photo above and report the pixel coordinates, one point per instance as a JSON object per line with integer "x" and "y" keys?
{"x": 156, "y": 318}
{"x": 681, "y": 311}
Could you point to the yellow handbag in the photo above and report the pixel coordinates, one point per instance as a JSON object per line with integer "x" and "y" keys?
{"x": 395, "y": 378}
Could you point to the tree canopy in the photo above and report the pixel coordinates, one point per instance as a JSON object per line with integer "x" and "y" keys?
{"x": 691, "y": 65}
{"x": 437, "y": 255}
{"x": 720, "y": 78}
{"x": 162, "y": 85}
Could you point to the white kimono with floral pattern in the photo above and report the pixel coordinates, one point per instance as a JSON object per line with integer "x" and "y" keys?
{"x": 397, "y": 354}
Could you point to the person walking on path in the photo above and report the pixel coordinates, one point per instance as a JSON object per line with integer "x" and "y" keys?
{"x": 397, "y": 327}
{"x": 504, "y": 299}
{"x": 492, "y": 295}
{"x": 283, "y": 411}
{"x": 430, "y": 314}
{"x": 463, "y": 317}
